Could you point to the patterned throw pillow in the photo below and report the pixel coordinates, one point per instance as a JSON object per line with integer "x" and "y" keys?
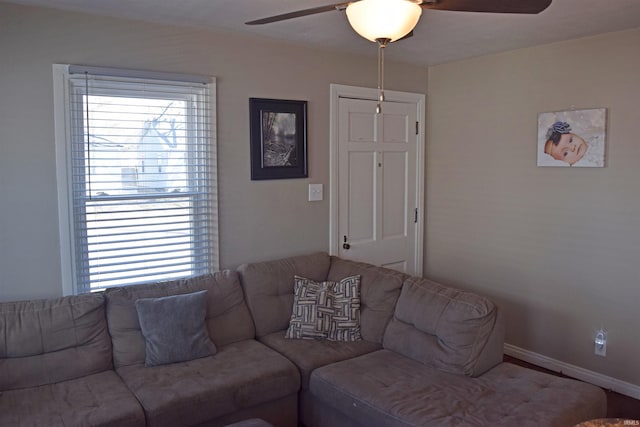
{"x": 345, "y": 322}
{"x": 312, "y": 308}
{"x": 326, "y": 310}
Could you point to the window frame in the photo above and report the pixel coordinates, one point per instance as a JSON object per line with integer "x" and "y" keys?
{"x": 63, "y": 117}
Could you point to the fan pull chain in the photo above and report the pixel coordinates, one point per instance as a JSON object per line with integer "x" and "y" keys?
{"x": 382, "y": 43}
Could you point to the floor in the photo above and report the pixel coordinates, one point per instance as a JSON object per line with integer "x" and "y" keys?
{"x": 618, "y": 405}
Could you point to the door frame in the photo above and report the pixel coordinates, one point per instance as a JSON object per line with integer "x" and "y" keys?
{"x": 344, "y": 91}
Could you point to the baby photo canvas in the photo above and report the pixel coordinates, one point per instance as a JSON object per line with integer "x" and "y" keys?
{"x": 572, "y": 138}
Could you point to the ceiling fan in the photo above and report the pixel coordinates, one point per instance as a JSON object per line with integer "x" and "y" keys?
{"x": 386, "y": 21}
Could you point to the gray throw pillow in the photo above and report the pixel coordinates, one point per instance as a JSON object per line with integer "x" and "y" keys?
{"x": 174, "y": 328}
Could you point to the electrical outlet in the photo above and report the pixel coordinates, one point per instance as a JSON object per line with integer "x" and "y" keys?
{"x": 600, "y": 342}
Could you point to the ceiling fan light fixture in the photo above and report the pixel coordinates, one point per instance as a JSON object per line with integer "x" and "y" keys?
{"x": 383, "y": 19}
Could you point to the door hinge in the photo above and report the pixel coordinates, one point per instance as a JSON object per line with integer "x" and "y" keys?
{"x": 417, "y": 127}
{"x": 415, "y": 216}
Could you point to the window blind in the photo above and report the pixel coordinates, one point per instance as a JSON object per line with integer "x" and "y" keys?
{"x": 142, "y": 179}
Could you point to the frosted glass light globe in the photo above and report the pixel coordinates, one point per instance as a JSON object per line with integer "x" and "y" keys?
{"x": 383, "y": 19}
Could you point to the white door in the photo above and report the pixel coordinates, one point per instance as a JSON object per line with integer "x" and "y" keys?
{"x": 377, "y": 184}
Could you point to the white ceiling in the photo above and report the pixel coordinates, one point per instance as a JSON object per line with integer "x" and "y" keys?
{"x": 440, "y": 36}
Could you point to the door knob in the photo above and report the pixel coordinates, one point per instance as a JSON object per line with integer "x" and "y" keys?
{"x": 345, "y": 245}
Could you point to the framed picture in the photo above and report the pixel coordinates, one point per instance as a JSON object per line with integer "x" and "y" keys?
{"x": 572, "y": 138}
{"x": 278, "y": 138}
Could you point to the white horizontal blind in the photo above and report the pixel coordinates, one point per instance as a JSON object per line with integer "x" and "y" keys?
{"x": 141, "y": 177}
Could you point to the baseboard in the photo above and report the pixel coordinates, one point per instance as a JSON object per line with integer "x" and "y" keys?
{"x": 609, "y": 383}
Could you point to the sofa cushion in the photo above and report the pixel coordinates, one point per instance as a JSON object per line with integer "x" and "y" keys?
{"x": 93, "y": 400}
{"x": 326, "y": 310}
{"x": 268, "y": 287}
{"x": 442, "y": 327}
{"x": 38, "y": 339}
{"x": 308, "y": 355}
{"x": 173, "y": 328}
{"x": 238, "y": 376}
{"x": 379, "y": 291}
{"x": 386, "y": 388}
{"x": 228, "y": 319}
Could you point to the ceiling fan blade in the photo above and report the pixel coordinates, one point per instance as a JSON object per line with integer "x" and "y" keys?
{"x": 299, "y": 13}
{"x": 408, "y": 35}
{"x": 492, "y": 6}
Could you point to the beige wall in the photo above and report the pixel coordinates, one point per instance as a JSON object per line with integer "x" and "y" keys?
{"x": 559, "y": 248}
{"x": 258, "y": 219}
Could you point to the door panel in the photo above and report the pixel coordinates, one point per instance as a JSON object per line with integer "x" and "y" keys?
{"x": 395, "y": 128}
{"x": 394, "y": 202}
{"x": 362, "y": 127}
{"x": 398, "y": 266}
{"x": 362, "y": 198}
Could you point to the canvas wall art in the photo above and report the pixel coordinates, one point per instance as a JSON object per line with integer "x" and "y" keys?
{"x": 572, "y": 138}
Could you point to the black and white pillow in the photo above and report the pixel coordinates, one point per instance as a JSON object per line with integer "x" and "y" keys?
{"x": 345, "y": 322}
{"x": 326, "y": 310}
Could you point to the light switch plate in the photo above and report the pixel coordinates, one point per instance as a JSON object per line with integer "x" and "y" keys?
{"x": 315, "y": 192}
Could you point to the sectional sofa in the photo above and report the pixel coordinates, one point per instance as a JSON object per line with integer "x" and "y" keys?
{"x": 429, "y": 355}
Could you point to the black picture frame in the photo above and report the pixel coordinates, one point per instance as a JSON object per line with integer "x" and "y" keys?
{"x": 278, "y": 134}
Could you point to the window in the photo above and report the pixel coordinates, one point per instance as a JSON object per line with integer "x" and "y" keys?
{"x": 136, "y": 176}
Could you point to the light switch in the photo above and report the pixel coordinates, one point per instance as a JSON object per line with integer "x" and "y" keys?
{"x": 315, "y": 192}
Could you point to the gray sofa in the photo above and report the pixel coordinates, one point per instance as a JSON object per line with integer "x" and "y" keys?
{"x": 430, "y": 356}
{"x": 79, "y": 361}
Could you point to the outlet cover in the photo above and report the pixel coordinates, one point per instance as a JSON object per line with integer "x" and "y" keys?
{"x": 600, "y": 342}
{"x": 315, "y": 192}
